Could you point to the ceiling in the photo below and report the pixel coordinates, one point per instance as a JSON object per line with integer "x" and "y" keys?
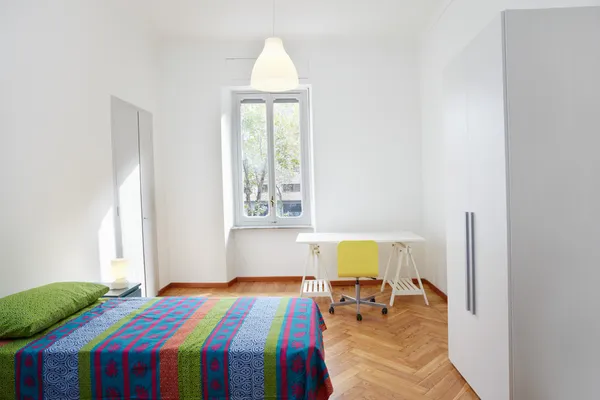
{"x": 253, "y": 18}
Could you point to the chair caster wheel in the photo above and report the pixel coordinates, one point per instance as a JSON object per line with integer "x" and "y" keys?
{"x": 372, "y": 300}
{"x": 384, "y": 311}
{"x": 331, "y": 310}
{"x": 358, "y": 317}
{"x": 342, "y": 299}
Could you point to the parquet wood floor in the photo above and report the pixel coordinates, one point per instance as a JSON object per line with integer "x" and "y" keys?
{"x": 403, "y": 355}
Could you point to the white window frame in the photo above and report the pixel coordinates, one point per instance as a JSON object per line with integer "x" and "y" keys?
{"x": 272, "y": 220}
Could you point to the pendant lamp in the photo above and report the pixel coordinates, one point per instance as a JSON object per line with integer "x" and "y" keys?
{"x": 274, "y": 70}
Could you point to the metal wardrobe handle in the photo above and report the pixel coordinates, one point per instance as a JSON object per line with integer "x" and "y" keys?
{"x": 468, "y": 260}
{"x": 473, "y": 265}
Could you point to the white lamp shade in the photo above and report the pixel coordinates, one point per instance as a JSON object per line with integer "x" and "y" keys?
{"x": 274, "y": 70}
{"x": 118, "y": 268}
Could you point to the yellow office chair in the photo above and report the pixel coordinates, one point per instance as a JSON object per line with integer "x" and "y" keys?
{"x": 358, "y": 259}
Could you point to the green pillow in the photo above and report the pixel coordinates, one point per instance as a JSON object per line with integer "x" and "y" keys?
{"x": 26, "y": 313}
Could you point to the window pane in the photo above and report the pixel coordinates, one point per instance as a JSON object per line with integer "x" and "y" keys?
{"x": 288, "y": 179}
{"x": 255, "y": 168}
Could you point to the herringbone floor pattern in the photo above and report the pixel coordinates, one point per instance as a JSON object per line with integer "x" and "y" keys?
{"x": 403, "y": 355}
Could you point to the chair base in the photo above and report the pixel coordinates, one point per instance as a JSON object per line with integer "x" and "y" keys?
{"x": 349, "y": 300}
{"x": 352, "y": 300}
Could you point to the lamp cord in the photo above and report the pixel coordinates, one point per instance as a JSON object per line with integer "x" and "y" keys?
{"x": 273, "y": 14}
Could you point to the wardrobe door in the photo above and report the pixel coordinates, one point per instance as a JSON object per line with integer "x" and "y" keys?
{"x": 553, "y": 62}
{"x": 488, "y": 207}
{"x": 460, "y": 324}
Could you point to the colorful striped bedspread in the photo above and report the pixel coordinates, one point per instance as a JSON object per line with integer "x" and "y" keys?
{"x": 173, "y": 348}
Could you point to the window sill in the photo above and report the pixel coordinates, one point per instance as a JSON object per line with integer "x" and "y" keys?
{"x": 243, "y": 228}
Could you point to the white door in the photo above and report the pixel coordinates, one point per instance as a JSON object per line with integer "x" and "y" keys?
{"x": 148, "y": 202}
{"x": 461, "y": 329}
{"x": 489, "y": 352}
{"x": 128, "y": 206}
{"x": 133, "y": 163}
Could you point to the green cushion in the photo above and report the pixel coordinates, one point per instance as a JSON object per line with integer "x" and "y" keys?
{"x": 26, "y": 313}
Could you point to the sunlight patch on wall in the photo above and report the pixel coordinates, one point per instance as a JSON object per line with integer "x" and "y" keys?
{"x": 106, "y": 244}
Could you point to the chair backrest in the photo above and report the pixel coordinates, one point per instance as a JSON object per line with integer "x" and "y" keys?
{"x": 358, "y": 259}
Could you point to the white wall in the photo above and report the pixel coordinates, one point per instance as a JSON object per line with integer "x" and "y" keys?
{"x": 449, "y": 34}
{"x": 61, "y": 61}
{"x": 367, "y": 156}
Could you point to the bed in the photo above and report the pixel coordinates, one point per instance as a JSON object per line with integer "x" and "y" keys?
{"x": 173, "y": 348}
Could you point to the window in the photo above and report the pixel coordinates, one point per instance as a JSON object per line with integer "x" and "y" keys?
{"x": 271, "y": 160}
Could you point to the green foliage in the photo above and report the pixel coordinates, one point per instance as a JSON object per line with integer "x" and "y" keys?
{"x": 255, "y": 153}
{"x": 256, "y": 209}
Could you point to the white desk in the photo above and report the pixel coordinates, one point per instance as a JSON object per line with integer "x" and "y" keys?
{"x": 401, "y": 250}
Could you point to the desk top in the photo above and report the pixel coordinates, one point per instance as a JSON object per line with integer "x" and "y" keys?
{"x": 379, "y": 237}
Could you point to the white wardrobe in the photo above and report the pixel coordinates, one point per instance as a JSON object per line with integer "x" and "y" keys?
{"x": 522, "y": 124}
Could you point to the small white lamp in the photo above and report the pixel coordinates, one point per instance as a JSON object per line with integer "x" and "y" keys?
{"x": 118, "y": 268}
